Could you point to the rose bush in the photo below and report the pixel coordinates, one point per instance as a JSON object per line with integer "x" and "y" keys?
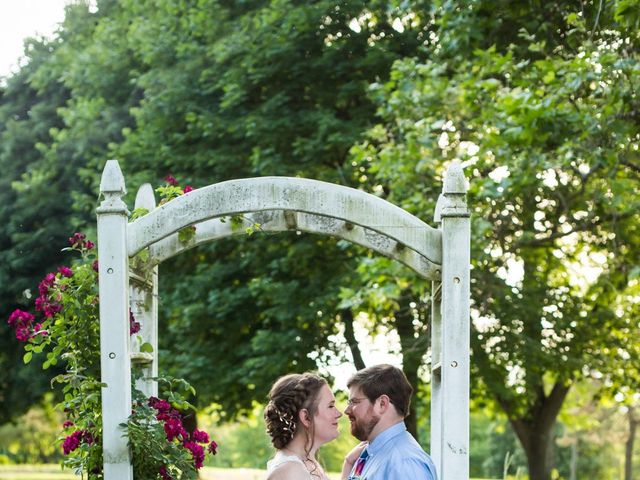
{"x": 66, "y": 328}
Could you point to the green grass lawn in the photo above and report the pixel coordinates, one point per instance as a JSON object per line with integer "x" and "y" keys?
{"x": 34, "y": 472}
{"x": 54, "y": 472}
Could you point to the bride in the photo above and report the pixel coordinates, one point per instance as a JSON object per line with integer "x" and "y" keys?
{"x": 301, "y": 416}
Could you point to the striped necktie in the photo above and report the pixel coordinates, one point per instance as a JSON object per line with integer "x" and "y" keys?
{"x": 362, "y": 459}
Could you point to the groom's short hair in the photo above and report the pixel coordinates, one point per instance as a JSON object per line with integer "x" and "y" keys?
{"x": 384, "y": 380}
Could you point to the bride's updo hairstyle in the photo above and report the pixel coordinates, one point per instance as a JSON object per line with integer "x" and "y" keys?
{"x": 287, "y": 397}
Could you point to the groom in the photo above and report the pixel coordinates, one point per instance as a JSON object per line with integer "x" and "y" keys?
{"x": 379, "y": 399}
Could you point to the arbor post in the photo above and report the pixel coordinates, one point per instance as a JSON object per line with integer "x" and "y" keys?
{"x": 451, "y": 333}
{"x": 144, "y": 305}
{"x": 115, "y": 363}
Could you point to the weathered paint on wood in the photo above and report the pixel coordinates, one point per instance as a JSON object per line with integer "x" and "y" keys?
{"x": 450, "y": 391}
{"x": 437, "y": 421}
{"x": 115, "y": 366}
{"x": 286, "y": 220}
{"x": 237, "y": 197}
{"x": 144, "y": 306}
{"x": 278, "y": 204}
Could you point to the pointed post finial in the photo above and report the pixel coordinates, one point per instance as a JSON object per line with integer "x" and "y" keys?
{"x": 112, "y": 180}
{"x": 145, "y": 197}
{"x": 452, "y": 201}
{"x": 112, "y": 187}
{"x": 454, "y": 180}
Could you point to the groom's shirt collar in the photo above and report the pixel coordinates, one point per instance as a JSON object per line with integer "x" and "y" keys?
{"x": 385, "y": 437}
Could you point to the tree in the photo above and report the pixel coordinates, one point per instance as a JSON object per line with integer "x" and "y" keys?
{"x": 53, "y": 140}
{"x": 539, "y": 99}
{"x": 546, "y": 122}
{"x": 261, "y": 89}
{"x": 30, "y": 198}
{"x": 218, "y": 90}
{"x": 623, "y": 383}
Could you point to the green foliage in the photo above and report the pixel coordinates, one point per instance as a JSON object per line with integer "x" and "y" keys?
{"x": 169, "y": 192}
{"x": 150, "y": 449}
{"x": 492, "y": 442}
{"x": 549, "y": 137}
{"x": 28, "y": 237}
{"x": 263, "y": 318}
{"x": 245, "y": 441}
{"x": 32, "y": 438}
{"x": 186, "y": 234}
{"x": 69, "y": 334}
{"x": 257, "y": 89}
{"x": 137, "y": 213}
{"x": 537, "y": 99}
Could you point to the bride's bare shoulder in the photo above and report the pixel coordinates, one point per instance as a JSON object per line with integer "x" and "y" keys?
{"x": 289, "y": 471}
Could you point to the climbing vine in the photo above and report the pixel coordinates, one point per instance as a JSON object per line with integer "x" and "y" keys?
{"x": 65, "y": 328}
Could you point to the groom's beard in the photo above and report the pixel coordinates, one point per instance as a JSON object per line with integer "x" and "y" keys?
{"x": 361, "y": 429}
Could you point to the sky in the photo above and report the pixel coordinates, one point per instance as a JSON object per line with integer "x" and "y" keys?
{"x": 20, "y": 19}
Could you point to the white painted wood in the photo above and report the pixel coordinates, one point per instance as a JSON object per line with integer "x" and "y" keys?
{"x": 283, "y": 193}
{"x": 452, "y": 395}
{"x": 278, "y": 204}
{"x": 118, "y": 471}
{"x": 115, "y": 365}
{"x": 436, "y": 376}
{"x": 153, "y": 335}
{"x": 279, "y": 220}
{"x": 144, "y": 305}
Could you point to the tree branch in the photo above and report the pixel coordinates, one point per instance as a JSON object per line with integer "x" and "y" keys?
{"x": 347, "y": 318}
{"x": 632, "y": 166}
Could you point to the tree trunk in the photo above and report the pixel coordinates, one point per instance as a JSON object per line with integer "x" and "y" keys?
{"x": 535, "y": 432}
{"x": 628, "y": 453}
{"x": 414, "y": 346}
{"x": 538, "y": 447}
{"x": 349, "y": 335}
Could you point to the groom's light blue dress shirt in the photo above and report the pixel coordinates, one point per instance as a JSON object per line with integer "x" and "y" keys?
{"x": 395, "y": 455}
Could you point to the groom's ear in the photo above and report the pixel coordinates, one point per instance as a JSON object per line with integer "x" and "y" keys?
{"x": 385, "y": 403}
{"x": 304, "y": 417}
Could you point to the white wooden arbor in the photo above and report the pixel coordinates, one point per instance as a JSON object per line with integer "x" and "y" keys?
{"x": 280, "y": 204}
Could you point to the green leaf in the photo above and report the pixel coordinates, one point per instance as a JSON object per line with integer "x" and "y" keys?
{"x": 187, "y": 234}
{"x": 27, "y": 357}
{"x": 146, "y": 347}
{"x": 549, "y": 77}
{"x": 138, "y": 212}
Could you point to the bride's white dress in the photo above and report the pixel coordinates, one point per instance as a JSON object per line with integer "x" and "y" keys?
{"x": 281, "y": 458}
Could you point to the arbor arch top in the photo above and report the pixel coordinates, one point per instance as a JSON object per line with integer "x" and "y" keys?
{"x": 285, "y": 203}
{"x": 279, "y": 204}
{"x": 287, "y": 220}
